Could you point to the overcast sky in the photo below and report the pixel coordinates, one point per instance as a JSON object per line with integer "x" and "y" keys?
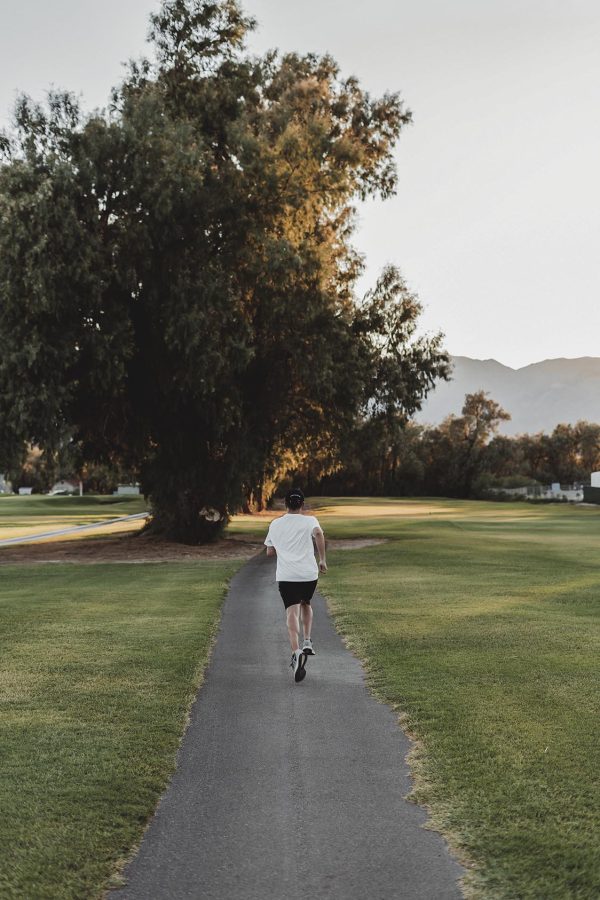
{"x": 496, "y": 224}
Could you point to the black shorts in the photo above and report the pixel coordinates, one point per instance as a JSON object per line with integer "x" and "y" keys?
{"x": 293, "y": 592}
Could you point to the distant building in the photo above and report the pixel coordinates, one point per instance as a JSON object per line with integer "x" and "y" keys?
{"x": 127, "y": 490}
{"x": 5, "y": 486}
{"x": 572, "y": 492}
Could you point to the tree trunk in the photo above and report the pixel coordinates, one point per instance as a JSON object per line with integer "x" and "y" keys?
{"x": 185, "y": 517}
{"x": 255, "y": 501}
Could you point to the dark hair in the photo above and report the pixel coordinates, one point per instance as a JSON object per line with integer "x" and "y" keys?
{"x": 294, "y": 498}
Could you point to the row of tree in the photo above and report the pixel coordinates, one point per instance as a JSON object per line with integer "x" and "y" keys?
{"x": 40, "y": 471}
{"x": 388, "y": 455}
{"x": 461, "y": 457}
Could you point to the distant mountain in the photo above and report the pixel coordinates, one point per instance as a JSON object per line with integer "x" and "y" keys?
{"x": 538, "y": 396}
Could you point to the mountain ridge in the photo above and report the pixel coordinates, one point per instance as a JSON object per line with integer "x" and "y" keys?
{"x": 538, "y": 396}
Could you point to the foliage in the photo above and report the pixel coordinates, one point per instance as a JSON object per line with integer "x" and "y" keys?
{"x": 461, "y": 457}
{"x": 569, "y": 454}
{"x": 455, "y": 451}
{"x": 32, "y": 472}
{"x": 177, "y": 278}
{"x": 390, "y": 455}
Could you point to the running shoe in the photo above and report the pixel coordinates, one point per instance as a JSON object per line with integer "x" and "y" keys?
{"x": 298, "y": 663}
{"x": 307, "y": 648}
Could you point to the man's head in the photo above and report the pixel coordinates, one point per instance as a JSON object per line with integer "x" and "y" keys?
{"x": 294, "y": 499}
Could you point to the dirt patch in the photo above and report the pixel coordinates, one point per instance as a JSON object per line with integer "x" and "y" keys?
{"x": 125, "y": 549}
{"x": 354, "y": 544}
{"x": 145, "y": 548}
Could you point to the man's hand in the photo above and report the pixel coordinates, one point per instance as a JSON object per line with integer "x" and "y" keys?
{"x": 320, "y": 542}
{"x": 270, "y": 551}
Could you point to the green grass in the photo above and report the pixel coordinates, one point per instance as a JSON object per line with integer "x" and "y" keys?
{"x": 99, "y": 666}
{"x": 479, "y": 623}
{"x": 29, "y": 515}
{"x": 88, "y": 507}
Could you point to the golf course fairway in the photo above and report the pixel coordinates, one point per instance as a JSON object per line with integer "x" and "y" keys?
{"x": 479, "y": 623}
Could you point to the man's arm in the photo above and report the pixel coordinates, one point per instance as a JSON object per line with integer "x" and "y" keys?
{"x": 269, "y": 543}
{"x": 320, "y": 542}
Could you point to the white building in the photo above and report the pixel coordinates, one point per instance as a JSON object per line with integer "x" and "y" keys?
{"x": 127, "y": 490}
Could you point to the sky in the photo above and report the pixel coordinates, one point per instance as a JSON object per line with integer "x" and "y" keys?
{"x": 496, "y": 221}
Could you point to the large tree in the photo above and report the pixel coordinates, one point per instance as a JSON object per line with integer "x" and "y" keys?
{"x": 177, "y": 282}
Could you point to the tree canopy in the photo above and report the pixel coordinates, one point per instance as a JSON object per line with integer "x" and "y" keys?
{"x": 177, "y": 279}
{"x": 462, "y": 456}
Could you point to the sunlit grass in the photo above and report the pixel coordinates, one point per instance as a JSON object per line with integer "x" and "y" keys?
{"x": 25, "y": 516}
{"x": 479, "y": 623}
{"x": 345, "y": 517}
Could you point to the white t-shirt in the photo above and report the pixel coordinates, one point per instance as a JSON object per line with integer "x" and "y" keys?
{"x": 291, "y": 535}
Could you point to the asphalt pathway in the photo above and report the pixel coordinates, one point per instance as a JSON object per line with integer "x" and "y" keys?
{"x": 284, "y": 789}
{"x": 74, "y": 529}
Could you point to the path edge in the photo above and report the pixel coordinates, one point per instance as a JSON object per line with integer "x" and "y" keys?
{"x": 413, "y": 759}
{"x": 116, "y": 880}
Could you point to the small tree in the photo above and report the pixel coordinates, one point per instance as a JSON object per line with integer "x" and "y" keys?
{"x": 589, "y": 448}
{"x": 455, "y": 450}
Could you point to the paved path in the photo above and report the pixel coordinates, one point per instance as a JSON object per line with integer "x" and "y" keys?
{"x": 73, "y": 529}
{"x": 287, "y": 790}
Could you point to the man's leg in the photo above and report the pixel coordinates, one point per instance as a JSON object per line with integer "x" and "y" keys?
{"x": 293, "y": 625}
{"x": 298, "y": 657}
{"x": 307, "y": 618}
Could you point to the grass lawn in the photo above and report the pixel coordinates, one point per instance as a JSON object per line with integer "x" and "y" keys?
{"x": 21, "y": 516}
{"x": 99, "y": 666}
{"x": 480, "y": 623}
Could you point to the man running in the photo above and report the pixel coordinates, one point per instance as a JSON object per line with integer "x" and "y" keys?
{"x": 291, "y": 538}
